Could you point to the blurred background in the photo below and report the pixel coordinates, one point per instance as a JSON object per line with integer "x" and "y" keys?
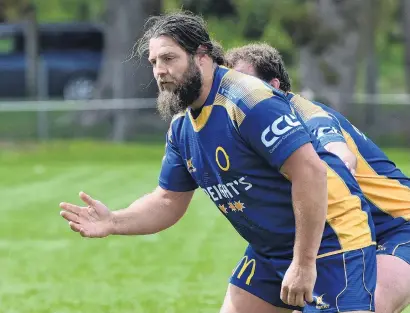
{"x": 77, "y": 112}
{"x": 73, "y": 58}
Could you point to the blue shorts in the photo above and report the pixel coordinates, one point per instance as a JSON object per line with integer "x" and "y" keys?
{"x": 395, "y": 242}
{"x": 345, "y": 281}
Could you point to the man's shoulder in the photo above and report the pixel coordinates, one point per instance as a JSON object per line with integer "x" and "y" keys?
{"x": 176, "y": 125}
{"x": 178, "y": 118}
{"x": 239, "y": 85}
{"x": 244, "y": 92}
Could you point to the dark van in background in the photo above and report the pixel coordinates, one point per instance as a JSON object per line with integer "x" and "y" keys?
{"x": 70, "y": 56}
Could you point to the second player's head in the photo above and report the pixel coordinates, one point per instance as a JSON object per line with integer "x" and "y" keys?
{"x": 262, "y": 61}
{"x": 182, "y": 56}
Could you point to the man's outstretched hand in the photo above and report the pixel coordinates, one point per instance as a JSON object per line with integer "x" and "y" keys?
{"x": 94, "y": 220}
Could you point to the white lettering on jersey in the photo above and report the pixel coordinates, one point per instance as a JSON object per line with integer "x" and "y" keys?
{"x": 279, "y": 127}
{"x": 325, "y": 131}
{"x": 227, "y": 190}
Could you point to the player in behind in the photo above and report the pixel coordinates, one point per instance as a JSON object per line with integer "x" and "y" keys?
{"x": 384, "y": 185}
{"x": 307, "y": 223}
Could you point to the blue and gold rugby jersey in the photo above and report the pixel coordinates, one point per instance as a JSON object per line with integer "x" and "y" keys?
{"x": 234, "y": 149}
{"x": 384, "y": 185}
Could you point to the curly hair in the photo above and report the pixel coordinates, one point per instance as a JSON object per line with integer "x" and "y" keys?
{"x": 187, "y": 29}
{"x": 266, "y": 61}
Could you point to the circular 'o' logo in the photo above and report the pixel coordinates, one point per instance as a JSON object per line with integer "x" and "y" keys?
{"x": 219, "y": 153}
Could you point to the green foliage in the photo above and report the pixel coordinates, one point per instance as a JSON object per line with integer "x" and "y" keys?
{"x": 285, "y": 24}
{"x": 67, "y": 10}
{"x": 219, "y": 8}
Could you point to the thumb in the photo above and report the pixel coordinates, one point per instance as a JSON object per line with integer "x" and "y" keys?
{"x": 87, "y": 199}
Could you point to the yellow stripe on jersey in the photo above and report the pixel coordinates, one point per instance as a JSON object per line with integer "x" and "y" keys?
{"x": 250, "y": 90}
{"x": 306, "y": 108}
{"x": 345, "y": 214}
{"x": 199, "y": 122}
{"x": 386, "y": 194}
{"x": 234, "y": 112}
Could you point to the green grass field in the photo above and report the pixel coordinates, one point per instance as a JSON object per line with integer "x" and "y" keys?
{"x": 45, "y": 267}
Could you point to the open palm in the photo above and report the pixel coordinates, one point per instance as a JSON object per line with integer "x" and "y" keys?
{"x": 93, "y": 220}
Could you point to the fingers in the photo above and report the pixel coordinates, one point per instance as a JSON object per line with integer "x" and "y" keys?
{"x": 83, "y": 233}
{"x": 70, "y": 207}
{"x": 75, "y": 227}
{"x": 87, "y": 199}
{"x": 71, "y": 217}
{"x": 293, "y": 297}
{"x": 78, "y": 229}
{"x": 300, "y": 299}
{"x": 309, "y": 296}
{"x": 284, "y": 294}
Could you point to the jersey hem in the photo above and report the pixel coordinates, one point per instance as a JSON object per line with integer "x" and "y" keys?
{"x": 323, "y": 255}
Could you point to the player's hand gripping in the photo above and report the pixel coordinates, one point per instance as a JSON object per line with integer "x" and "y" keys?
{"x": 94, "y": 220}
{"x": 298, "y": 283}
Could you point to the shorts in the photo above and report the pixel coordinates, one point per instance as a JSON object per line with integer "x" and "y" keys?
{"x": 395, "y": 242}
{"x": 345, "y": 281}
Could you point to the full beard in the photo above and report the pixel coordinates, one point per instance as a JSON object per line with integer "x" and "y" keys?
{"x": 171, "y": 102}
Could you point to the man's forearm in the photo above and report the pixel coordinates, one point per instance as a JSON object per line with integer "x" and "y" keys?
{"x": 310, "y": 206}
{"x": 150, "y": 214}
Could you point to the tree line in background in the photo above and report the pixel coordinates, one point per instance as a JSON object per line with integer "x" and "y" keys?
{"x": 331, "y": 47}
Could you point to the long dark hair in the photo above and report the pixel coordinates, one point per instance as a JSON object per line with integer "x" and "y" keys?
{"x": 187, "y": 29}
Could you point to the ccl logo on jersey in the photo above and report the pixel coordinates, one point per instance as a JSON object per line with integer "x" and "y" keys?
{"x": 326, "y": 131}
{"x": 281, "y": 126}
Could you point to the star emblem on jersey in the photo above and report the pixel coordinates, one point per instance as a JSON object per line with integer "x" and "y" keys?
{"x": 239, "y": 206}
{"x": 235, "y": 206}
{"x": 232, "y": 206}
{"x": 223, "y": 208}
{"x": 191, "y": 167}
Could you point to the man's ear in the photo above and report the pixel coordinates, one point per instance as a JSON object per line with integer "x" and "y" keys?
{"x": 275, "y": 83}
{"x": 202, "y": 53}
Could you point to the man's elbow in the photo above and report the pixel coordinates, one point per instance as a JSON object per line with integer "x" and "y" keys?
{"x": 313, "y": 173}
{"x": 318, "y": 171}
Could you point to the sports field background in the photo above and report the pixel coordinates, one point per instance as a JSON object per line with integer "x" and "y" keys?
{"x": 46, "y": 268}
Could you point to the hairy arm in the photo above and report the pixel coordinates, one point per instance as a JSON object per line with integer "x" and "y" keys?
{"x": 309, "y": 196}
{"x": 152, "y": 213}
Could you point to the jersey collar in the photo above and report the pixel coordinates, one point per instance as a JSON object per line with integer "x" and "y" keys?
{"x": 201, "y": 120}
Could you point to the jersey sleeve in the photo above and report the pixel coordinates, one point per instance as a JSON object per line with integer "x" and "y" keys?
{"x": 174, "y": 175}
{"x": 274, "y": 130}
{"x": 326, "y": 129}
